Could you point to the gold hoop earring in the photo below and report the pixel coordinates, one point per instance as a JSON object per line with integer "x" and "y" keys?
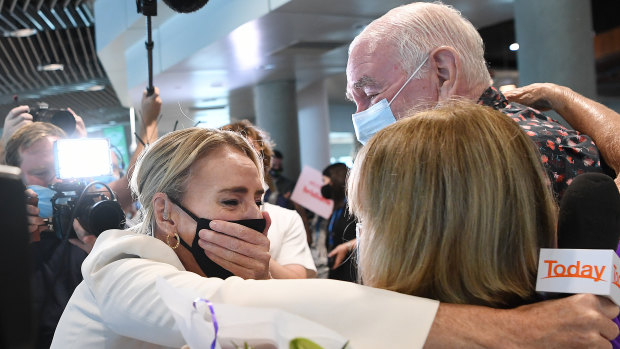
{"x": 176, "y": 236}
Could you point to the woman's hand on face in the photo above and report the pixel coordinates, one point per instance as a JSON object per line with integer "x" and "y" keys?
{"x": 241, "y": 250}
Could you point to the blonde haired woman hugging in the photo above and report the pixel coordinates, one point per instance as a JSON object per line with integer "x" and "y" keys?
{"x": 454, "y": 206}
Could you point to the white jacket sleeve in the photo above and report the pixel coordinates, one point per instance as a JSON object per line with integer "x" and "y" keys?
{"x": 122, "y": 270}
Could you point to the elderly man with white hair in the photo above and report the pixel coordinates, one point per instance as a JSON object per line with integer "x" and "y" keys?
{"x": 423, "y": 53}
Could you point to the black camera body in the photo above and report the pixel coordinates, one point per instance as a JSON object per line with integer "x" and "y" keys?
{"x": 97, "y": 211}
{"x": 59, "y": 117}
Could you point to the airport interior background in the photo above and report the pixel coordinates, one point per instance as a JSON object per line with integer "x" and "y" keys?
{"x": 278, "y": 63}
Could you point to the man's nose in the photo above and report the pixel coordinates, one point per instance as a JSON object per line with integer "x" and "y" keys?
{"x": 360, "y": 107}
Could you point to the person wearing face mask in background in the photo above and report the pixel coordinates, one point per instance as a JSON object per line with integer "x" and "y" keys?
{"x": 283, "y": 185}
{"x": 340, "y": 239}
{"x": 56, "y": 261}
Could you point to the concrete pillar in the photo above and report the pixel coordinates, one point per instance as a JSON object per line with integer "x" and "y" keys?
{"x": 276, "y": 112}
{"x": 314, "y": 125}
{"x": 556, "y": 43}
{"x": 241, "y": 104}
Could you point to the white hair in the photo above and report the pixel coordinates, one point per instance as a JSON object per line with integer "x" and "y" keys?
{"x": 418, "y": 28}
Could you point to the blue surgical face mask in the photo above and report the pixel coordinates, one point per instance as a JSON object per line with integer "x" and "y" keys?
{"x": 45, "y": 200}
{"x": 377, "y": 116}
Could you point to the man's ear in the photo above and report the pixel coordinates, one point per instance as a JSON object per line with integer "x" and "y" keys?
{"x": 165, "y": 216}
{"x": 446, "y": 65}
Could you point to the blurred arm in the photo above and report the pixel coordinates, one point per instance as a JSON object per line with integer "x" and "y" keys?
{"x": 151, "y": 109}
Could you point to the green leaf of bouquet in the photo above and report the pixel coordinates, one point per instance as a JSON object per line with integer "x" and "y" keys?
{"x": 303, "y": 343}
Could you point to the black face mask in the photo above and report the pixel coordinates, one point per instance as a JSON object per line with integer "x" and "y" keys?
{"x": 327, "y": 191}
{"x": 209, "y": 267}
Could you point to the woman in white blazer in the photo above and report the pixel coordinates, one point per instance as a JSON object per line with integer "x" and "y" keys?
{"x": 192, "y": 175}
{"x": 181, "y": 180}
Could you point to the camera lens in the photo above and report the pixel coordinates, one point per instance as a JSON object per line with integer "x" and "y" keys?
{"x": 101, "y": 216}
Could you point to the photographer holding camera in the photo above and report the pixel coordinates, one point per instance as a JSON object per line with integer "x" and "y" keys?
{"x": 56, "y": 262}
{"x": 22, "y": 115}
{"x": 57, "y": 254}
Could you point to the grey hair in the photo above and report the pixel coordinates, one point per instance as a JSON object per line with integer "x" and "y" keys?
{"x": 418, "y": 28}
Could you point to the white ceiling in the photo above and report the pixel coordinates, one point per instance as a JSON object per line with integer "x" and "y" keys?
{"x": 301, "y": 40}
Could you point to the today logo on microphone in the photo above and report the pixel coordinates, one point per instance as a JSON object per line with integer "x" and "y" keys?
{"x": 579, "y": 271}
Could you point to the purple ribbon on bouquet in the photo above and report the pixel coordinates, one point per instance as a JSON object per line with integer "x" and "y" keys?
{"x": 215, "y": 326}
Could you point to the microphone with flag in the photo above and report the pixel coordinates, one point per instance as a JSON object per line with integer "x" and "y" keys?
{"x": 588, "y": 232}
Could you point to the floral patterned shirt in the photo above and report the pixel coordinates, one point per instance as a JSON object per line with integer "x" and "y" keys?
{"x": 565, "y": 153}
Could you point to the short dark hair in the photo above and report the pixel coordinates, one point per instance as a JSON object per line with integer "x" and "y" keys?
{"x": 337, "y": 173}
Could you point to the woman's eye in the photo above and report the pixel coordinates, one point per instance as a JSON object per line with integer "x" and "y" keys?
{"x": 259, "y": 203}
{"x": 230, "y": 202}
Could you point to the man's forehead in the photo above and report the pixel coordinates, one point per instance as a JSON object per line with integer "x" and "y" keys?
{"x": 43, "y": 146}
{"x": 368, "y": 60}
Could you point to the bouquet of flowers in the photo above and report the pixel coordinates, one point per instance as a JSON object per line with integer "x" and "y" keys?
{"x": 223, "y": 326}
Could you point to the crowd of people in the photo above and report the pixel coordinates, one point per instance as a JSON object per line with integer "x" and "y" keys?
{"x": 437, "y": 228}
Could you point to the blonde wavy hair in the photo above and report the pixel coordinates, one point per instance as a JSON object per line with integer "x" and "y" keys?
{"x": 455, "y": 206}
{"x": 164, "y": 166}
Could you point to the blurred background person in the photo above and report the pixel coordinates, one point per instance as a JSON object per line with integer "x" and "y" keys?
{"x": 340, "y": 237}
{"x": 318, "y": 245}
{"x": 20, "y": 116}
{"x": 57, "y": 256}
{"x": 280, "y": 193}
{"x": 56, "y": 260}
